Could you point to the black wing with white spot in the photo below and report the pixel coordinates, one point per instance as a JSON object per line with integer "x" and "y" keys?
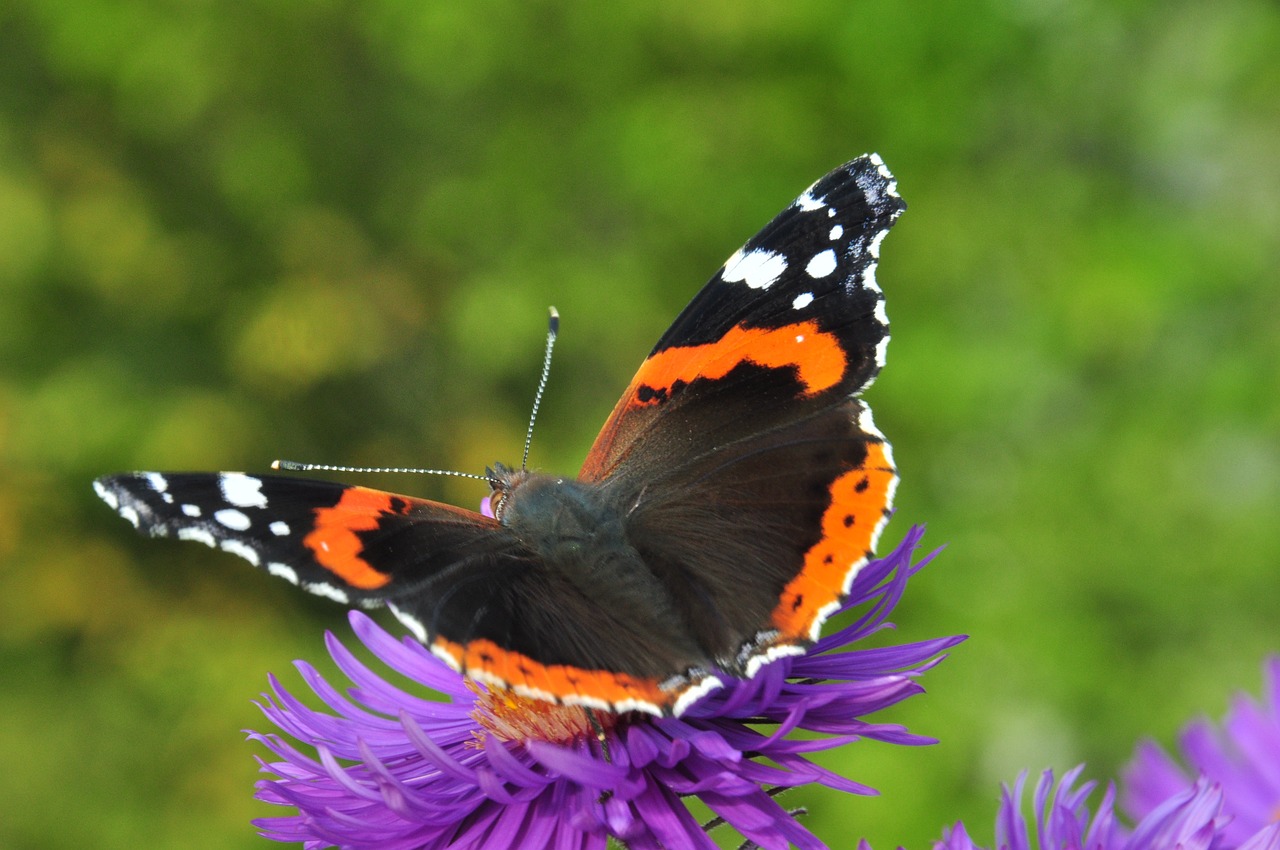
{"x": 799, "y": 297}
{"x": 351, "y": 544}
{"x": 815, "y": 260}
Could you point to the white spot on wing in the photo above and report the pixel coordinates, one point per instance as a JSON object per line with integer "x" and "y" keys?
{"x": 337, "y": 594}
{"x": 243, "y": 491}
{"x": 106, "y": 495}
{"x": 849, "y": 577}
{"x": 279, "y": 528}
{"x": 822, "y": 264}
{"x": 537, "y": 693}
{"x": 758, "y": 269}
{"x": 867, "y": 424}
{"x": 815, "y": 631}
{"x": 232, "y": 519}
{"x": 881, "y": 316}
{"x": 696, "y": 693}
{"x": 803, "y": 300}
{"x": 157, "y": 481}
{"x": 808, "y": 202}
{"x": 283, "y": 571}
{"x": 131, "y": 515}
{"x": 437, "y": 651}
{"x": 619, "y": 707}
{"x": 420, "y": 632}
{"x": 836, "y": 232}
{"x": 884, "y": 172}
{"x": 191, "y": 510}
{"x": 199, "y": 535}
{"x": 765, "y": 637}
{"x": 773, "y": 653}
{"x": 869, "y": 278}
{"x": 874, "y": 248}
{"x": 235, "y": 547}
{"x": 888, "y": 458}
{"x": 882, "y": 350}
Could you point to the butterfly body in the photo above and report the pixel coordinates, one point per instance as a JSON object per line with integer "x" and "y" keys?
{"x": 719, "y": 519}
{"x": 577, "y": 533}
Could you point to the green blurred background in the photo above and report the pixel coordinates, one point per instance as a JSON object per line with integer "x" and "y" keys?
{"x": 330, "y": 231}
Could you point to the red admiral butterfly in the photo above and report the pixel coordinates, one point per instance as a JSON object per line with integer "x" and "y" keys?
{"x": 719, "y": 519}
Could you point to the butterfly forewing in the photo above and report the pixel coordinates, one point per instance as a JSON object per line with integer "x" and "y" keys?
{"x": 800, "y": 298}
{"x": 331, "y": 539}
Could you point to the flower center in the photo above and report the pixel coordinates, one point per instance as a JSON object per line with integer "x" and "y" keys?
{"x": 510, "y": 717}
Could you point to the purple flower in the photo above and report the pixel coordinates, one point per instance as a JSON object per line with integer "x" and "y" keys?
{"x": 389, "y": 766}
{"x": 1232, "y": 803}
{"x": 1242, "y": 757}
{"x": 1191, "y": 819}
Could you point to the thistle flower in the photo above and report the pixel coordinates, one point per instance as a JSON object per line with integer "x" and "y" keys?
{"x": 1242, "y": 756}
{"x": 395, "y": 769}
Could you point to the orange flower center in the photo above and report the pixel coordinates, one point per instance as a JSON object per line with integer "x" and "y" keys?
{"x": 510, "y": 717}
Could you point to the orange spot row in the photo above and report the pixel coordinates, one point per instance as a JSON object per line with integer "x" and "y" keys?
{"x": 560, "y": 681}
{"x": 817, "y": 357}
{"x": 334, "y": 541}
{"x": 844, "y": 543}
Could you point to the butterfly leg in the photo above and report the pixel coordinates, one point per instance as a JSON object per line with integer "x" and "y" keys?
{"x": 598, "y": 728}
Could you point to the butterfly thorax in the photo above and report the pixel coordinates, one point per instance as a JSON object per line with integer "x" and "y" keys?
{"x": 570, "y": 524}
{"x": 579, "y": 534}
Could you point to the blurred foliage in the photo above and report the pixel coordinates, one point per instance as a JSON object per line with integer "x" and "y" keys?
{"x": 328, "y": 230}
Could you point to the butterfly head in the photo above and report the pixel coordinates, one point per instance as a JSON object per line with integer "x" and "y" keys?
{"x": 502, "y": 480}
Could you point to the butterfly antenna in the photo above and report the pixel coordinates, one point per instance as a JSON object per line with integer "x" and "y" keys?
{"x": 296, "y": 466}
{"x": 553, "y": 328}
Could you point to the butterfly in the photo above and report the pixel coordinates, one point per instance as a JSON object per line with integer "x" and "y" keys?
{"x": 718, "y": 520}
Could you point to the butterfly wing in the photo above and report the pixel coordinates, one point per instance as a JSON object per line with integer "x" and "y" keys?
{"x": 758, "y": 481}
{"x": 352, "y": 544}
{"x": 461, "y": 582}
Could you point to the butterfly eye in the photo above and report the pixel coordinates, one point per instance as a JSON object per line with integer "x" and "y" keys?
{"x": 495, "y": 504}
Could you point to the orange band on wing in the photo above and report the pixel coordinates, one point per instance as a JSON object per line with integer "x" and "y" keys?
{"x": 556, "y": 681}
{"x": 335, "y": 544}
{"x": 818, "y": 359}
{"x": 849, "y": 525}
